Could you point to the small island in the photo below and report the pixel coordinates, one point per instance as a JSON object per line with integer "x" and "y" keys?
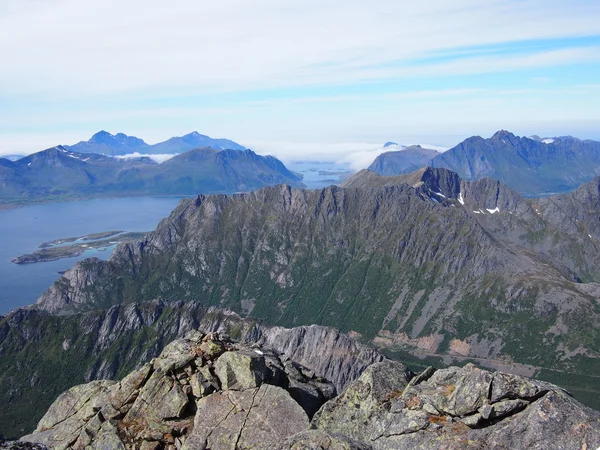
{"x": 75, "y": 246}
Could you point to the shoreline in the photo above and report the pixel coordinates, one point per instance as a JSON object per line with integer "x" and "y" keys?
{"x": 54, "y": 250}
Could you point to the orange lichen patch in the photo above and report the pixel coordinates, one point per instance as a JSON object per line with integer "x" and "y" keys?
{"x": 132, "y": 427}
{"x": 442, "y": 420}
{"x": 447, "y": 389}
{"x": 393, "y": 394}
{"x": 580, "y": 426}
{"x": 414, "y": 402}
{"x": 460, "y": 427}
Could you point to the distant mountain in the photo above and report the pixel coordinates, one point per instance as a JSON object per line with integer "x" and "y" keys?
{"x": 403, "y": 161}
{"x": 530, "y": 166}
{"x": 105, "y": 143}
{"x": 391, "y": 144}
{"x": 194, "y": 140}
{"x": 12, "y": 157}
{"x": 120, "y": 144}
{"x": 59, "y": 173}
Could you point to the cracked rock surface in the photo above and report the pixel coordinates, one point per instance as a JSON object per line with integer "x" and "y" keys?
{"x": 457, "y": 408}
{"x": 201, "y": 392}
{"x": 208, "y": 392}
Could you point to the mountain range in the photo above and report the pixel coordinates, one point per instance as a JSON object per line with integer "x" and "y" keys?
{"x": 531, "y": 166}
{"x": 105, "y": 143}
{"x": 61, "y": 173}
{"x": 426, "y": 266}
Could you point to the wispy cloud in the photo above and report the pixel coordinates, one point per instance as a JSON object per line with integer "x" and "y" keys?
{"x": 68, "y": 46}
{"x": 322, "y": 70}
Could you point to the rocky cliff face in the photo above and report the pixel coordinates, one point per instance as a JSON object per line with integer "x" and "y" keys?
{"x": 205, "y": 392}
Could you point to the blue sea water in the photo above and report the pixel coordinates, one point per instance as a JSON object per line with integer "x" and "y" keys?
{"x": 320, "y": 174}
{"x": 23, "y": 229}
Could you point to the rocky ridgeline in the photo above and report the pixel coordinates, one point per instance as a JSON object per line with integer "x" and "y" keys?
{"x": 206, "y": 392}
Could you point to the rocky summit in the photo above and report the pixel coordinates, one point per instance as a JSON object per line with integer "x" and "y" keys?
{"x": 201, "y": 392}
{"x": 209, "y": 392}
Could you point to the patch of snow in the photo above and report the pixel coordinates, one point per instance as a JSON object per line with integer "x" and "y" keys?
{"x": 477, "y": 212}
{"x": 547, "y": 141}
{"x": 460, "y": 198}
{"x": 259, "y": 352}
{"x": 590, "y": 236}
{"x": 440, "y": 194}
{"x": 159, "y": 158}
{"x": 495, "y": 210}
{"x": 29, "y": 164}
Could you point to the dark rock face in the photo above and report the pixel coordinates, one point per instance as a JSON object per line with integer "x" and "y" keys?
{"x": 528, "y": 166}
{"x": 404, "y": 161}
{"x": 185, "y": 399}
{"x": 325, "y": 350}
{"x": 16, "y": 445}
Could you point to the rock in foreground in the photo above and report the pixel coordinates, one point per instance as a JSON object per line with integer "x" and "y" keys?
{"x": 203, "y": 392}
{"x": 457, "y": 408}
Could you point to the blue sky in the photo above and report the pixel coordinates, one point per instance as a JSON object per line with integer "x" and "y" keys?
{"x": 297, "y": 78}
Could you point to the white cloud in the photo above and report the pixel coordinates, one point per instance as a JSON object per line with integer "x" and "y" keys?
{"x": 357, "y": 155}
{"x": 158, "y": 157}
{"x": 69, "y": 47}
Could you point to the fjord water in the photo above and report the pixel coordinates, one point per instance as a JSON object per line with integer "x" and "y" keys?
{"x": 23, "y": 229}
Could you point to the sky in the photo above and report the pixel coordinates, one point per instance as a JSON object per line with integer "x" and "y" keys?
{"x": 297, "y": 79}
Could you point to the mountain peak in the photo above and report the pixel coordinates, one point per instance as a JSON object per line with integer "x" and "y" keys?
{"x": 390, "y": 144}
{"x": 503, "y": 134}
{"x": 119, "y": 140}
{"x": 101, "y": 136}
